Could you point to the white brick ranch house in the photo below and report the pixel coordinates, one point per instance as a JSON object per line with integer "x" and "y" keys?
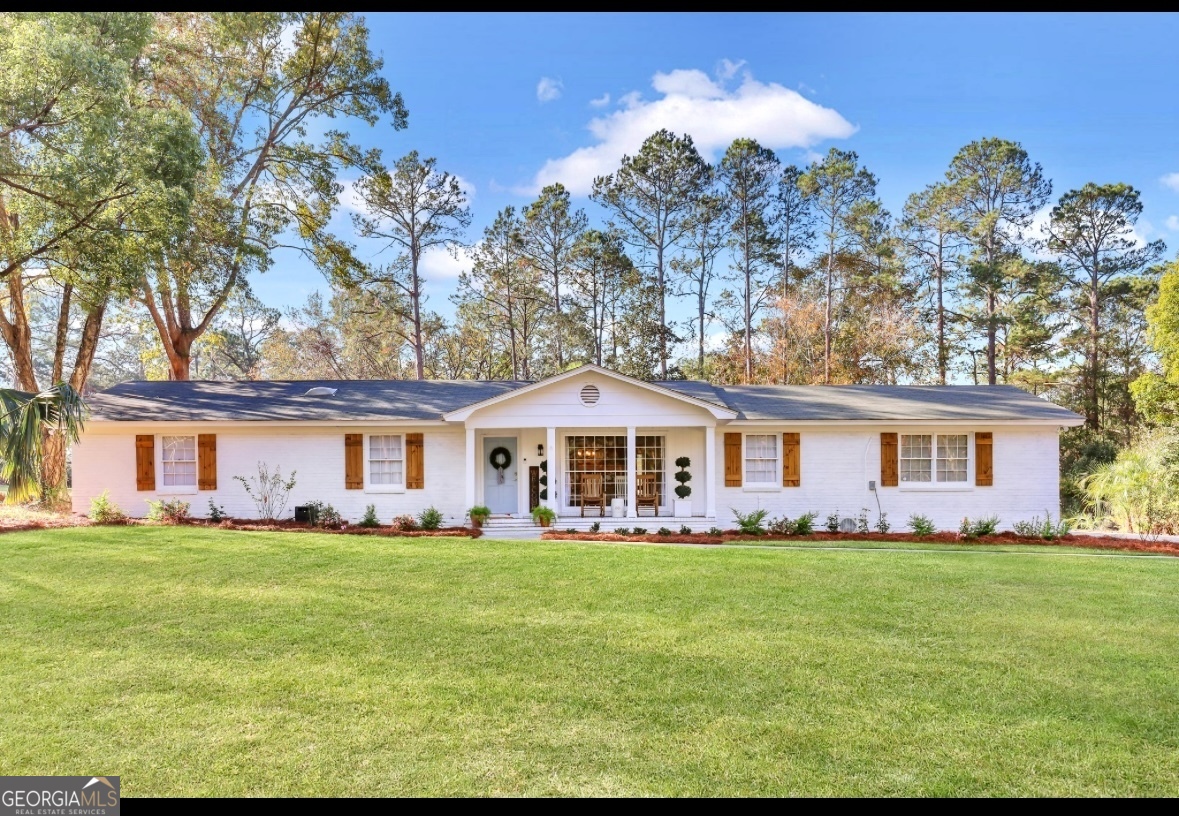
{"x": 942, "y": 451}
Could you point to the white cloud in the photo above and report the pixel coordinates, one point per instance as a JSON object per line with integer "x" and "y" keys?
{"x": 690, "y": 83}
{"x": 727, "y": 69}
{"x": 549, "y": 89}
{"x": 601, "y": 102}
{"x": 439, "y": 263}
{"x": 1171, "y": 180}
{"x": 1173, "y": 223}
{"x": 714, "y": 115}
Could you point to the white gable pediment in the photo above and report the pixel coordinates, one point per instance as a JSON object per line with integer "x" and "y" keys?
{"x": 590, "y": 397}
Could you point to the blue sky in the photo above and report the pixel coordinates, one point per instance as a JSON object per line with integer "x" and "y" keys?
{"x": 510, "y": 101}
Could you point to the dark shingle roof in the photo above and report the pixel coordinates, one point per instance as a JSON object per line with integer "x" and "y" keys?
{"x": 428, "y": 400}
{"x": 273, "y": 399}
{"x": 890, "y": 402}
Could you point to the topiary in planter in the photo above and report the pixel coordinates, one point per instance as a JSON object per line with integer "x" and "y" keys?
{"x": 683, "y": 477}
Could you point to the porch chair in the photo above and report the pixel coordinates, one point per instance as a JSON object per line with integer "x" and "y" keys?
{"x": 647, "y": 492}
{"x": 593, "y": 492}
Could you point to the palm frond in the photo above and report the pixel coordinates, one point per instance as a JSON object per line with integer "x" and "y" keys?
{"x": 23, "y": 419}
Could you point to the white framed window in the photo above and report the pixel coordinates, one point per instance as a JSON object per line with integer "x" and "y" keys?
{"x": 953, "y": 451}
{"x": 386, "y": 461}
{"x": 934, "y": 459}
{"x": 178, "y": 461}
{"x": 761, "y": 460}
{"x": 916, "y": 458}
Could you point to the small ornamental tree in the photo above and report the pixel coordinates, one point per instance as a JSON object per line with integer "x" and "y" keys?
{"x": 269, "y": 491}
{"x": 683, "y": 477}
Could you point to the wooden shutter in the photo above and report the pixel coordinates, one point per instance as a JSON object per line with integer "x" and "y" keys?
{"x": 984, "y": 461}
{"x": 889, "y": 466}
{"x": 791, "y": 461}
{"x": 145, "y": 462}
{"x": 415, "y": 462}
{"x": 732, "y": 460}
{"x": 354, "y": 461}
{"x": 207, "y": 462}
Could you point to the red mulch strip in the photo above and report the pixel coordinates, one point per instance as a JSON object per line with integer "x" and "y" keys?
{"x": 301, "y": 527}
{"x": 248, "y": 525}
{"x": 1092, "y": 542}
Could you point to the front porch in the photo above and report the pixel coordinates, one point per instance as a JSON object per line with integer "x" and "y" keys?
{"x": 512, "y": 470}
{"x": 524, "y": 527}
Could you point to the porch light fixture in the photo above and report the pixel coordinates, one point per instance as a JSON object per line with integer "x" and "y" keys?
{"x": 540, "y": 450}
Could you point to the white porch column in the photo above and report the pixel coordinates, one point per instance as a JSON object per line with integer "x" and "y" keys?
{"x": 554, "y": 472}
{"x": 470, "y": 475}
{"x": 710, "y": 471}
{"x": 631, "y": 487}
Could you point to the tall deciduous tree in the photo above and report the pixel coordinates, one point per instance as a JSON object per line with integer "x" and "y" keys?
{"x": 795, "y": 222}
{"x": 414, "y": 209}
{"x": 233, "y": 348}
{"x": 652, "y": 195}
{"x": 932, "y": 235}
{"x": 748, "y": 174}
{"x": 507, "y": 290}
{"x": 1091, "y": 231}
{"x": 998, "y": 190}
{"x": 94, "y": 180}
{"x": 352, "y": 335}
{"x": 835, "y": 186}
{"x": 257, "y": 84}
{"x": 550, "y": 229}
{"x": 66, "y": 88}
{"x": 696, "y": 268}
{"x": 602, "y": 275}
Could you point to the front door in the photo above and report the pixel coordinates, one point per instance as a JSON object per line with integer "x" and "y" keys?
{"x": 500, "y": 486}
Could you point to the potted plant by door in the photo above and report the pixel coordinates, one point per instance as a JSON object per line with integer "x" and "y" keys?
{"x": 543, "y": 515}
{"x": 478, "y": 514}
{"x": 683, "y": 507}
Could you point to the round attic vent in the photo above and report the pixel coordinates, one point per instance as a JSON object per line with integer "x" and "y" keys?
{"x": 590, "y": 395}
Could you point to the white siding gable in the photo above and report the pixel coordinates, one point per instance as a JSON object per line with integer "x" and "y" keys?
{"x": 620, "y": 404}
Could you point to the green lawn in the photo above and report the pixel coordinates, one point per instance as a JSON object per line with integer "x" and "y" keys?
{"x": 196, "y": 662}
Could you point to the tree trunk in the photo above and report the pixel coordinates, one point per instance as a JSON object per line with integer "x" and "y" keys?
{"x": 53, "y": 466}
{"x": 992, "y": 331}
{"x": 1092, "y": 401}
{"x": 88, "y": 345}
{"x": 701, "y": 308}
{"x": 941, "y": 320}
{"x": 416, "y": 297}
{"x": 748, "y": 327}
{"x": 827, "y": 309}
{"x": 18, "y": 334}
{"x": 559, "y": 319}
{"x": 785, "y": 292}
{"x": 62, "y": 335}
{"x": 662, "y": 312}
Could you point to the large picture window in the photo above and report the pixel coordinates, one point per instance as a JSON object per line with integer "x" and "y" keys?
{"x": 386, "y": 460}
{"x": 920, "y": 452}
{"x": 595, "y": 454}
{"x": 179, "y": 461}
{"x": 761, "y": 459}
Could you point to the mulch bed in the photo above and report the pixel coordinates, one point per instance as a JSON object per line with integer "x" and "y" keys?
{"x": 352, "y": 529}
{"x": 247, "y": 525}
{"x": 732, "y": 536}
